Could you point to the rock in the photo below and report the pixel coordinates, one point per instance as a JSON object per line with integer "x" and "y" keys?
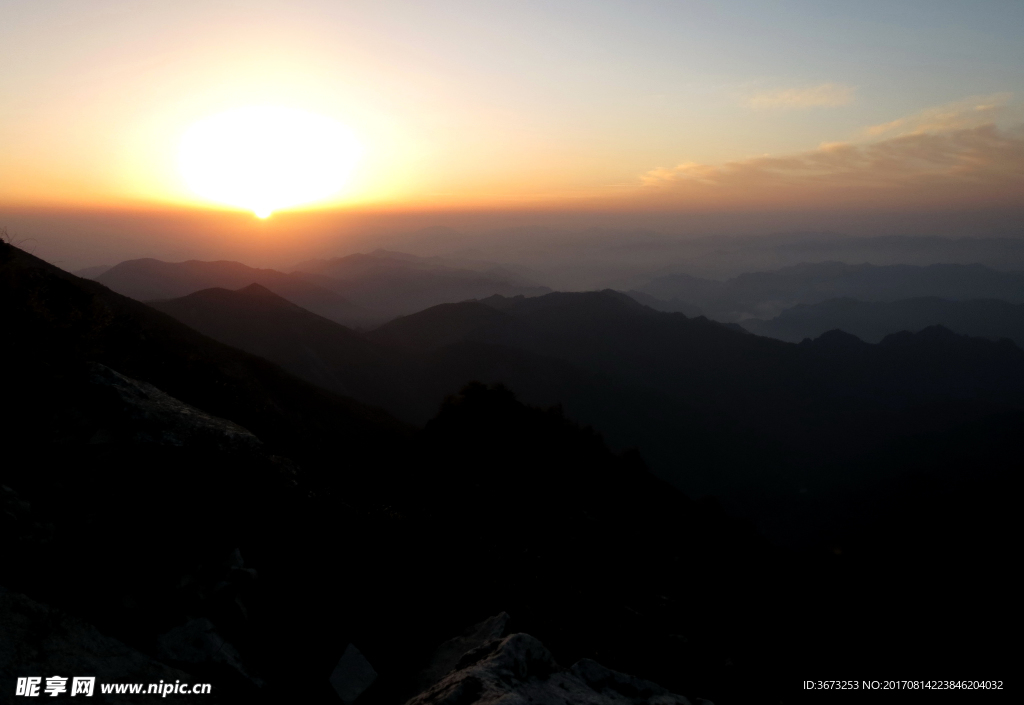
{"x": 352, "y": 676}
{"x": 518, "y": 669}
{"x": 198, "y": 642}
{"x": 160, "y": 419}
{"x": 450, "y": 652}
{"x": 39, "y": 641}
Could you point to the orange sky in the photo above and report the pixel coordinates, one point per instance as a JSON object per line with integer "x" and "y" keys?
{"x": 688, "y": 106}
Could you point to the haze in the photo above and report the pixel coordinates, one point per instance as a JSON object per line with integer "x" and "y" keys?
{"x": 803, "y": 108}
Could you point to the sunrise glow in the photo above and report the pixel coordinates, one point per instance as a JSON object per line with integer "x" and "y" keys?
{"x": 264, "y": 159}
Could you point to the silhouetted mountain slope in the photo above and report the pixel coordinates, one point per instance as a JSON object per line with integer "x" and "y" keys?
{"x": 409, "y": 367}
{"x": 675, "y": 387}
{"x": 441, "y": 325}
{"x": 143, "y": 497}
{"x": 408, "y": 380}
{"x": 171, "y": 518}
{"x": 882, "y": 599}
{"x": 766, "y": 294}
{"x": 714, "y": 365}
{"x": 752, "y": 412}
{"x": 153, "y": 280}
{"x": 259, "y": 321}
{"x": 64, "y": 320}
{"x": 91, "y": 272}
{"x": 674, "y": 305}
{"x": 872, "y": 321}
{"x": 714, "y": 410}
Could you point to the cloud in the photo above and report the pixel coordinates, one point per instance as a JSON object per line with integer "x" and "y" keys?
{"x": 970, "y": 164}
{"x": 827, "y": 95}
{"x": 964, "y": 114}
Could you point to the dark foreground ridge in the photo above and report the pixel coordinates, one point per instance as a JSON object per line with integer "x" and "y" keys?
{"x": 482, "y": 675}
{"x": 217, "y": 515}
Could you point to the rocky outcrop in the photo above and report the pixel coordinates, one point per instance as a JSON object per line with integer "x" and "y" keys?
{"x": 518, "y": 670}
{"x": 197, "y": 642}
{"x": 39, "y": 641}
{"x": 150, "y": 416}
{"x": 448, "y": 654}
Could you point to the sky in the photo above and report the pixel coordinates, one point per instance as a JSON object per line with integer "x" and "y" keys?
{"x": 596, "y": 104}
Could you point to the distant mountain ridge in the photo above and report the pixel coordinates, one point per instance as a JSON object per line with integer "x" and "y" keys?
{"x": 620, "y": 258}
{"x": 766, "y": 294}
{"x": 360, "y": 290}
{"x": 154, "y": 280}
{"x": 872, "y": 321}
{"x": 397, "y": 284}
{"x": 91, "y": 272}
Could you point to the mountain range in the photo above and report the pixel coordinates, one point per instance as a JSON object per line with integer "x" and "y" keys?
{"x": 192, "y": 488}
{"x": 236, "y": 466}
{"x": 715, "y": 411}
{"x": 359, "y": 290}
{"x": 366, "y": 290}
{"x": 766, "y": 294}
{"x": 872, "y": 321}
{"x": 623, "y": 259}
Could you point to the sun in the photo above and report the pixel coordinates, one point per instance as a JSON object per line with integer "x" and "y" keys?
{"x": 267, "y": 158}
